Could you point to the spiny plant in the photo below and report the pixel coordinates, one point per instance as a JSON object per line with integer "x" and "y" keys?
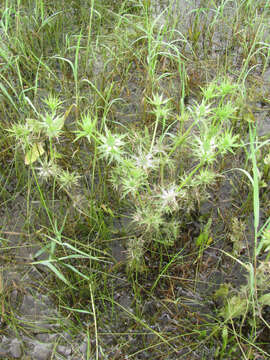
{"x": 143, "y": 168}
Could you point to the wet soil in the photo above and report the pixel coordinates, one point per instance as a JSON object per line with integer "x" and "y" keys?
{"x": 40, "y": 331}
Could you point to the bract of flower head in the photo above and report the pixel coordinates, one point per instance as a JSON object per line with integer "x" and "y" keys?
{"x": 52, "y": 125}
{"x": 68, "y": 179}
{"x": 168, "y": 198}
{"x": 111, "y": 146}
{"x": 201, "y": 111}
{"x": 205, "y": 148}
{"x": 48, "y": 169}
{"x": 146, "y": 161}
{"x": 135, "y": 178}
{"x": 148, "y": 219}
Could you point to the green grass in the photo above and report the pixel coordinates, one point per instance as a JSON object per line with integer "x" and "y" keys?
{"x": 135, "y": 131}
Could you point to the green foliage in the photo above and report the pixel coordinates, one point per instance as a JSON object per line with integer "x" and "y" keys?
{"x": 241, "y": 304}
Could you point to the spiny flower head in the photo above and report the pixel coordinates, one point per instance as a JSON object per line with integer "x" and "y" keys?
{"x": 168, "y": 198}
{"x": 205, "y": 147}
{"x": 52, "y": 125}
{"x": 148, "y": 218}
{"x": 68, "y": 179}
{"x": 87, "y": 127}
{"x": 205, "y": 177}
{"x": 146, "y": 161}
{"x": 111, "y": 146}
{"x": 48, "y": 169}
{"x": 135, "y": 178}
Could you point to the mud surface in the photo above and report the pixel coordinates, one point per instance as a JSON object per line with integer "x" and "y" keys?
{"x": 41, "y": 331}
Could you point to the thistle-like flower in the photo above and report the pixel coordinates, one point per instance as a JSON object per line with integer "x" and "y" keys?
{"x": 205, "y": 148}
{"x": 148, "y": 219}
{"x": 146, "y": 161}
{"x": 210, "y": 91}
{"x": 52, "y": 102}
{"x": 168, "y": 198}
{"x": 205, "y": 177}
{"x": 133, "y": 180}
{"x": 52, "y": 125}
{"x": 68, "y": 179}
{"x": 135, "y": 253}
{"x": 47, "y": 170}
{"x": 201, "y": 111}
{"x": 224, "y": 112}
{"x": 228, "y": 141}
{"x": 22, "y": 134}
{"x": 161, "y": 109}
{"x": 87, "y": 127}
{"x": 226, "y": 87}
{"x": 111, "y": 146}
{"x": 160, "y": 104}
{"x": 34, "y": 125}
{"x": 219, "y": 88}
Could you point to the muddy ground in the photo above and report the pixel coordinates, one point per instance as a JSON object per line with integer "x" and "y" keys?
{"x": 40, "y": 331}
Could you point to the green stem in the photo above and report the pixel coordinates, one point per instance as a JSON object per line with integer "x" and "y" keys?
{"x": 154, "y": 135}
